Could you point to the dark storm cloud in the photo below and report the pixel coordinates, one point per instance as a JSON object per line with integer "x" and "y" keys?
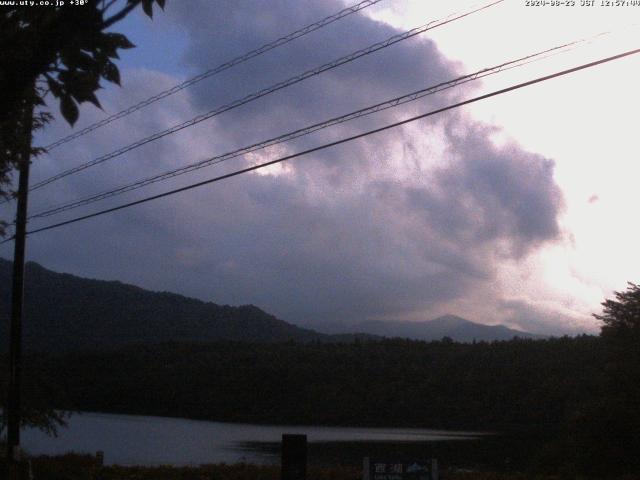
{"x": 396, "y": 224}
{"x": 397, "y": 70}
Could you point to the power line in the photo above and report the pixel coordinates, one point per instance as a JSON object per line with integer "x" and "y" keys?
{"x": 315, "y": 127}
{"x": 338, "y": 142}
{"x": 214, "y": 71}
{"x": 254, "y": 96}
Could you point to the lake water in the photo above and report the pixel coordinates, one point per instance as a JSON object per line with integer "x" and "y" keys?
{"x": 138, "y": 440}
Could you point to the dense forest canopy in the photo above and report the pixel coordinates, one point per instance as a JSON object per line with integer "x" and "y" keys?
{"x": 580, "y": 393}
{"x": 487, "y": 386}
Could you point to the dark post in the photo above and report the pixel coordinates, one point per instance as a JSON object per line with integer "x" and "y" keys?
{"x": 17, "y": 296}
{"x": 294, "y": 457}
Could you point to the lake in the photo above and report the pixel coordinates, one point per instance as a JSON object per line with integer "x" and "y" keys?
{"x": 141, "y": 440}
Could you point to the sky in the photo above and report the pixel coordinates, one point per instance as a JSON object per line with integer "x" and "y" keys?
{"x": 514, "y": 210}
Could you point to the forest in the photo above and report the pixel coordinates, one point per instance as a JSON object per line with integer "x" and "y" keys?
{"x": 578, "y": 396}
{"x": 486, "y": 386}
{"x": 557, "y": 391}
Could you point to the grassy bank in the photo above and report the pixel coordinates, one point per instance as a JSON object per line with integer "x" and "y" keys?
{"x": 85, "y": 467}
{"x": 73, "y": 467}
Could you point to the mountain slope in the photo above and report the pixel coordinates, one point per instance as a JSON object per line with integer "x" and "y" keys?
{"x": 64, "y": 312}
{"x": 454, "y": 327}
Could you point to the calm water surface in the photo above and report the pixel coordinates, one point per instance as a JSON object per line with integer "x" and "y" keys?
{"x": 138, "y": 440}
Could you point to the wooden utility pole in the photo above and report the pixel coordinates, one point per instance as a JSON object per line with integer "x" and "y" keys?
{"x": 17, "y": 299}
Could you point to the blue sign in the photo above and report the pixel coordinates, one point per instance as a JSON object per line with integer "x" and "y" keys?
{"x": 379, "y": 469}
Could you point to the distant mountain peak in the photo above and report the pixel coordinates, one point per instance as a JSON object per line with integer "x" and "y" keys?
{"x": 450, "y": 319}
{"x": 65, "y": 312}
{"x": 452, "y": 326}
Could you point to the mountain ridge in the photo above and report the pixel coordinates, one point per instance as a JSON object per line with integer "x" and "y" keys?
{"x": 457, "y": 328}
{"x": 65, "y": 312}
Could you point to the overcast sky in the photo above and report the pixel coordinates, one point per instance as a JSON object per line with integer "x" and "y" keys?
{"x": 516, "y": 210}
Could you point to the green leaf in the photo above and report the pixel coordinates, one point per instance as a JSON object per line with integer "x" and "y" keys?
{"x": 94, "y": 100}
{"x": 81, "y": 85}
{"x": 101, "y": 58}
{"x": 110, "y": 73}
{"x": 161, "y": 3}
{"x": 69, "y": 109}
{"x": 76, "y": 59}
{"x": 86, "y": 96}
{"x": 147, "y": 6}
{"x": 55, "y": 87}
{"x": 117, "y": 40}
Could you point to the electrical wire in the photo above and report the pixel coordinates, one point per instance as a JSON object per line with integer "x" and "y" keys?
{"x": 316, "y": 127}
{"x": 214, "y": 71}
{"x": 337, "y": 142}
{"x": 254, "y": 96}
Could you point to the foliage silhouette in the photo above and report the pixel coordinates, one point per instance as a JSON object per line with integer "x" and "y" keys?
{"x": 601, "y": 435}
{"x": 64, "y": 51}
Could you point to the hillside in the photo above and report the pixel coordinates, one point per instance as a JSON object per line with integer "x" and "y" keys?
{"x": 64, "y": 312}
{"x": 456, "y": 328}
{"x": 452, "y": 326}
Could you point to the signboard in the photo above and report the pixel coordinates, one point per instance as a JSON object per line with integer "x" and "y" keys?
{"x": 385, "y": 469}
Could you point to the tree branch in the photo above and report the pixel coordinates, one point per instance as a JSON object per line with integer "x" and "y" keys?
{"x": 107, "y": 6}
{"x": 121, "y": 14}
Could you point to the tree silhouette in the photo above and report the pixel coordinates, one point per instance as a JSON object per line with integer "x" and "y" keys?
{"x": 621, "y": 335}
{"x": 64, "y": 51}
{"x": 621, "y": 317}
{"x": 607, "y": 429}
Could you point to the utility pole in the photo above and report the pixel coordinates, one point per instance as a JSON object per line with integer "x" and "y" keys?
{"x": 17, "y": 298}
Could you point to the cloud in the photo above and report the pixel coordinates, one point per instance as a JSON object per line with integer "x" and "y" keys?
{"x": 398, "y": 224}
{"x": 545, "y": 319}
